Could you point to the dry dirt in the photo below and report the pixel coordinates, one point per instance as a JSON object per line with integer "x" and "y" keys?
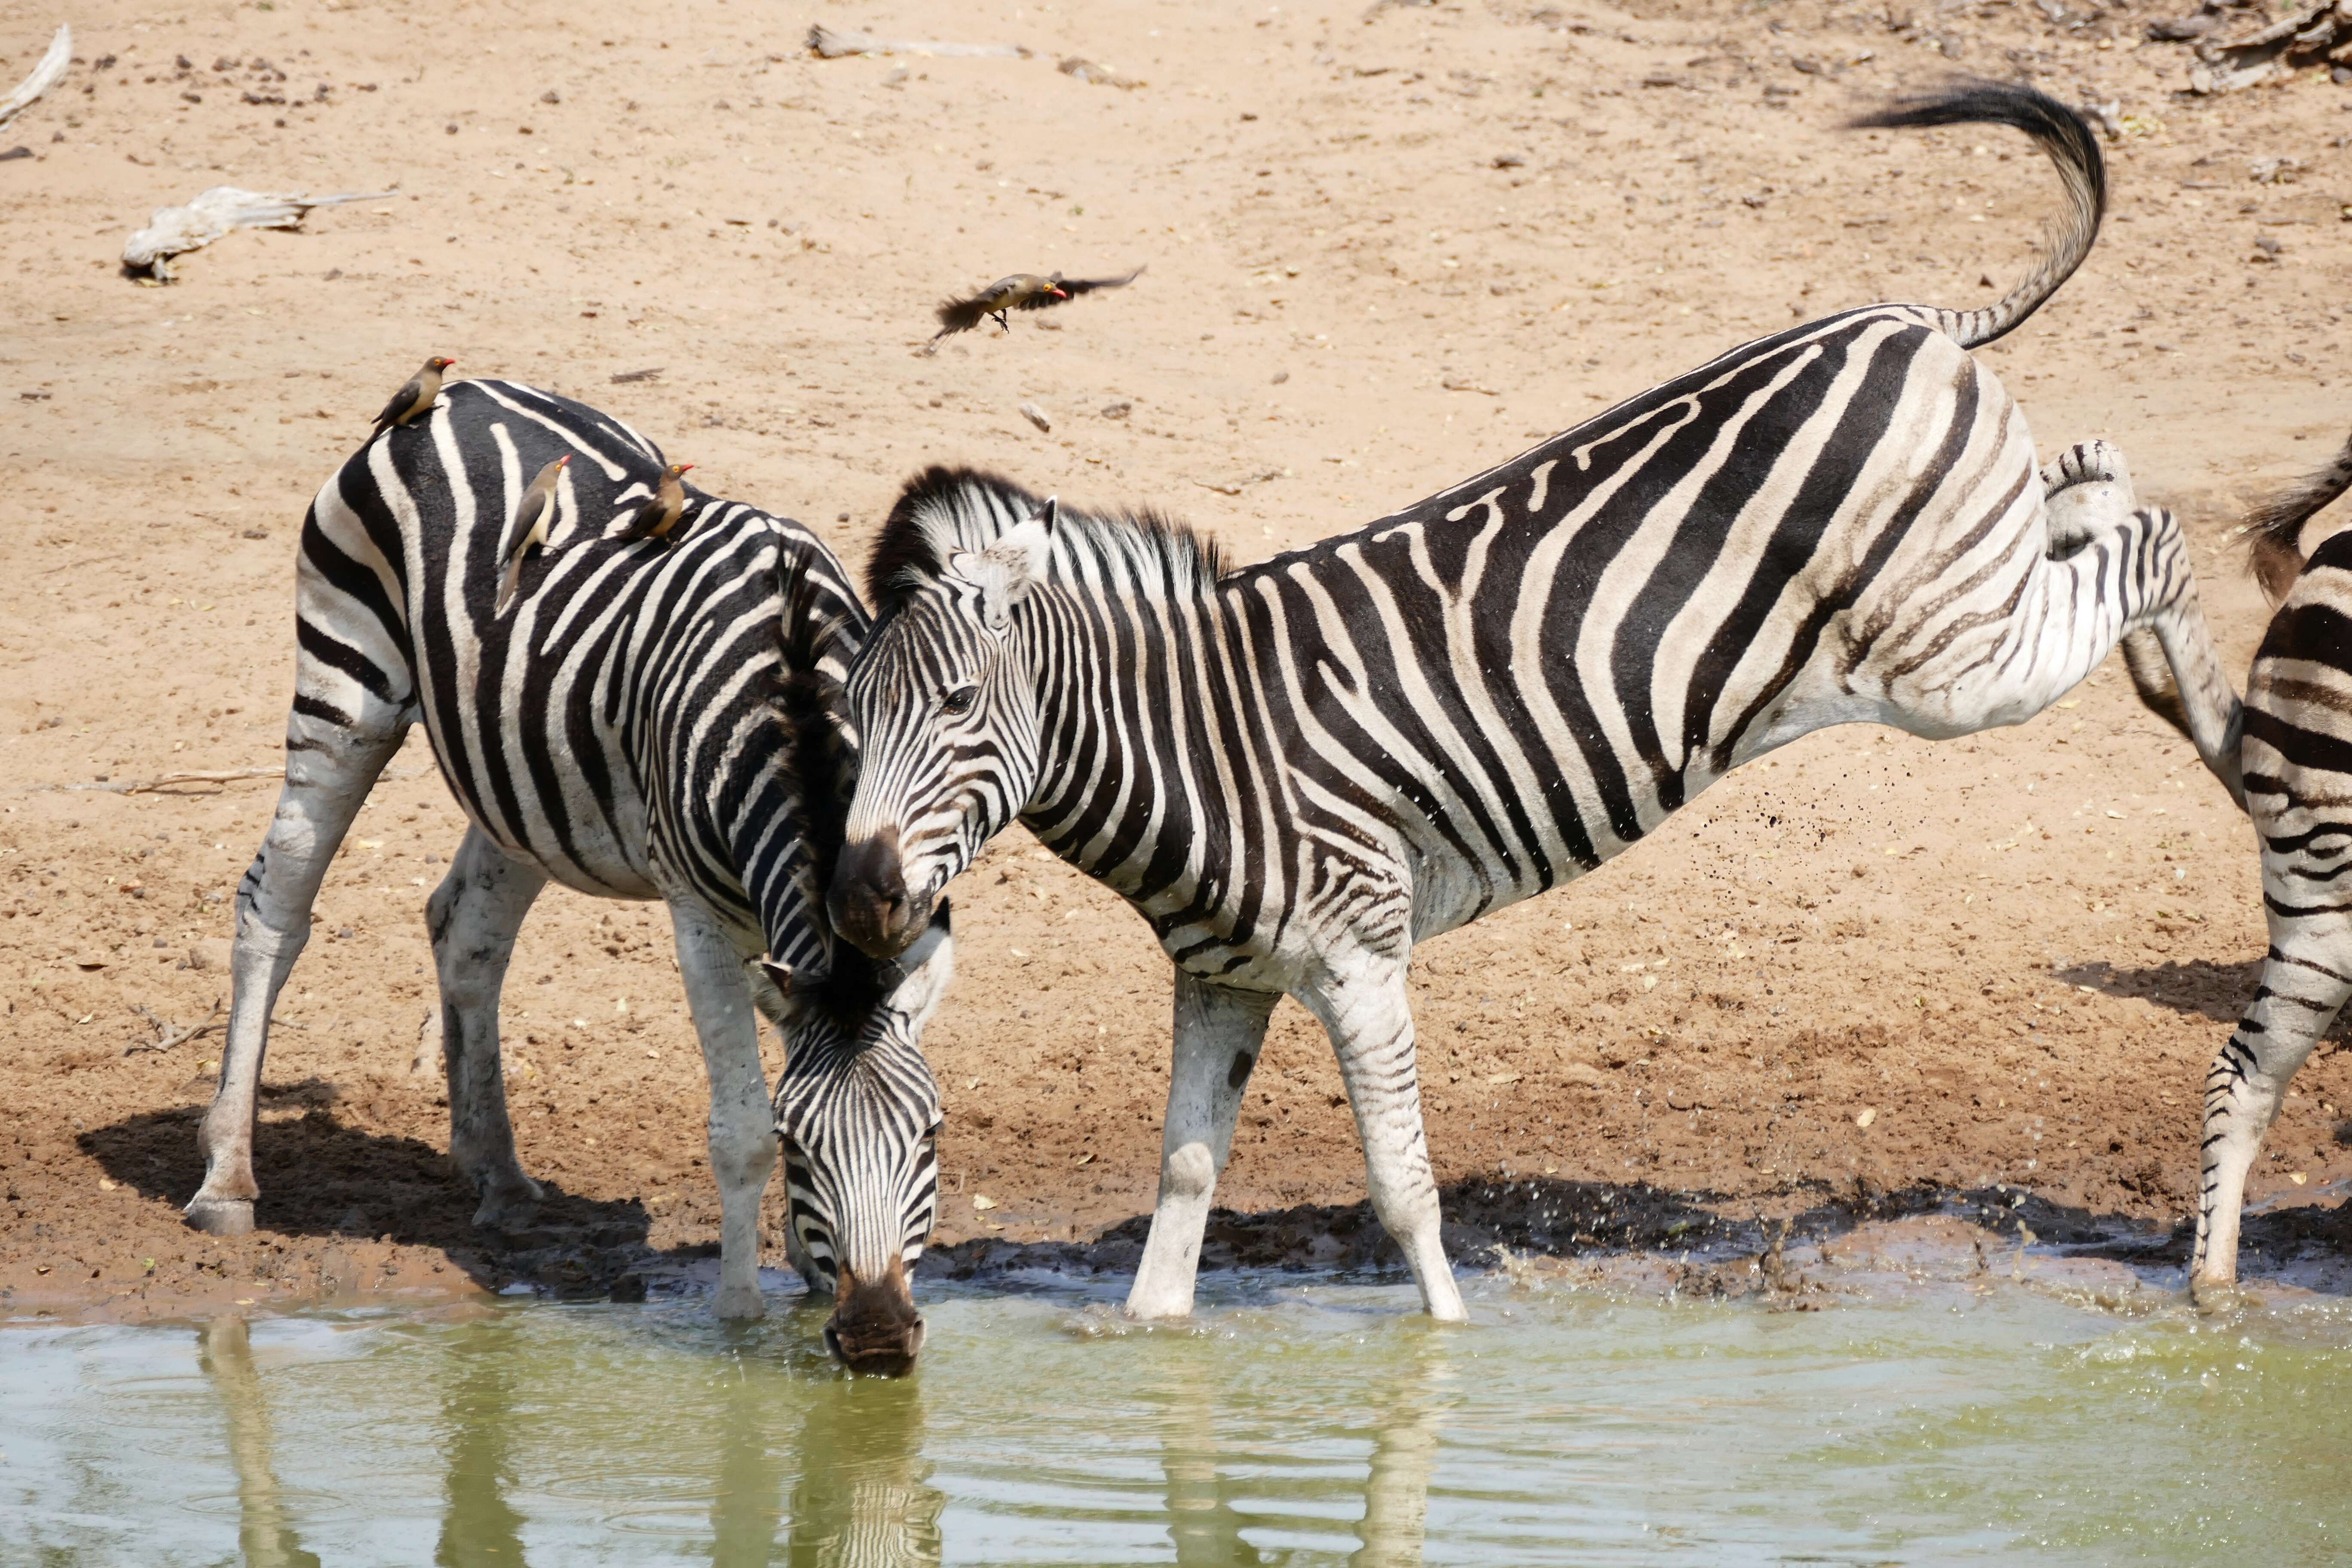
{"x": 1385, "y": 250}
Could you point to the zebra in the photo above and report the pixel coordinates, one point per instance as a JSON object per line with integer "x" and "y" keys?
{"x": 648, "y": 721}
{"x": 1297, "y": 769}
{"x": 2298, "y": 774}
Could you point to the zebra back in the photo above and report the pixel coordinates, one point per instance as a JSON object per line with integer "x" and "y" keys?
{"x": 648, "y": 717}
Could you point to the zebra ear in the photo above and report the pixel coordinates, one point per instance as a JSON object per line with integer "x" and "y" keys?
{"x": 1007, "y": 570}
{"x": 781, "y": 974}
{"x": 1026, "y": 550}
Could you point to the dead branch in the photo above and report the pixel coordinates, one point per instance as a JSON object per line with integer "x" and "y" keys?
{"x": 170, "y": 1035}
{"x": 838, "y": 43}
{"x": 162, "y": 783}
{"x": 2317, "y": 34}
{"x": 44, "y": 76}
{"x": 223, "y": 209}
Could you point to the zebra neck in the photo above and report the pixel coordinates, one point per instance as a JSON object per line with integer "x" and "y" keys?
{"x": 1138, "y": 704}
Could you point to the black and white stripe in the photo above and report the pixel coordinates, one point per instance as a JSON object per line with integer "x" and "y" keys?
{"x": 1299, "y": 769}
{"x": 647, "y": 721}
{"x": 2298, "y": 758}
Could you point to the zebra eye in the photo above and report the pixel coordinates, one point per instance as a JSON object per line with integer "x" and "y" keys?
{"x": 959, "y": 700}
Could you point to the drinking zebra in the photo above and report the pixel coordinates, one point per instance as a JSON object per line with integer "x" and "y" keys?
{"x": 645, "y": 721}
{"x": 2298, "y": 774}
{"x": 1297, "y": 770}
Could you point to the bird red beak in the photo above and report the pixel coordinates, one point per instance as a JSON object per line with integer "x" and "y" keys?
{"x": 686, "y": 468}
{"x": 1060, "y": 292}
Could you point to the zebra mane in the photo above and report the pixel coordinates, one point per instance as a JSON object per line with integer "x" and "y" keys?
{"x": 820, "y": 768}
{"x": 944, "y": 510}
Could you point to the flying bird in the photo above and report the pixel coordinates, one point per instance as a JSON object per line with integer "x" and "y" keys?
{"x": 660, "y": 514}
{"x": 534, "y": 517}
{"x": 414, "y": 398}
{"x": 1022, "y": 292}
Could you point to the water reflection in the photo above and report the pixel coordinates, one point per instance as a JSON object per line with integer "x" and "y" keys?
{"x": 263, "y": 1531}
{"x": 852, "y": 1487}
{"x": 1992, "y": 1425}
{"x": 1405, "y": 1450}
{"x": 862, "y": 1500}
{"x": 478, "y": 1526}
{"x": 1206, "y": 1476}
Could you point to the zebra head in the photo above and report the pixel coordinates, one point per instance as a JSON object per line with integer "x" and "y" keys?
{"x": 945, "y": 712}
{"x": 858, "y": 1115}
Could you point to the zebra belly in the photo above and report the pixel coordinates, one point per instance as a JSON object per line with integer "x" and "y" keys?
{"x": 584, "y": 843}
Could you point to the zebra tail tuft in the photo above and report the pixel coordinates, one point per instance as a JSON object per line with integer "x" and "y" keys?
{"x": 2073, "y": 147}
{"x": 2273, "y": 529}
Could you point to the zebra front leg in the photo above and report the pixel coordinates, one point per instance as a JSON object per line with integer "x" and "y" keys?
{"x": 742, "y": 1125}
{"x": 2303, "y": 986}
{"x": 1218, "y": 1034}
{"x": 473, "y": 917}
{"x": 329, "y": 767}
{"x": 1370, "y": 1020}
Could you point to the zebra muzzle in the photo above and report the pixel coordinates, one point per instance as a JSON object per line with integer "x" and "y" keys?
{"x": 874, "y": 1327}
{"x": 869, "y": 901}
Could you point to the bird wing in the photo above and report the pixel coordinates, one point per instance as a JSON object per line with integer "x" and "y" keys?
{"x": 534, "y": 522}
{"x": 1075, "y": 287}
{"x": 401, "y": 401}
{"x": 510, "y": 583}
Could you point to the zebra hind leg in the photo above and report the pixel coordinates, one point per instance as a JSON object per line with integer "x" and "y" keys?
{"x": 2084, "y": 485}
{"x": 2305, "y": 985}
{"x": 473, "y": 917}
{"x": 1218, "y": 1034}
{"x": 1370, "y": 1020}
{"x": 330, "y": 768}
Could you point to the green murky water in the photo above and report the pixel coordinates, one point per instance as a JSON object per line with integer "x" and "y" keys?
{"x": 1293, "y": 1423}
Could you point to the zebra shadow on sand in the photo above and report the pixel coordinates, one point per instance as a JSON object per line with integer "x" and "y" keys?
{"x": 326, "y": 1178}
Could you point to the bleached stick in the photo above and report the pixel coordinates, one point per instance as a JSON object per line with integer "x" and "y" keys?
{"x": 44, "y": 75}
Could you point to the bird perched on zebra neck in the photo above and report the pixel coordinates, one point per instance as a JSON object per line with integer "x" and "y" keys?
{"x": 1022, "y": 292}
{"x": 414, "y": 396}
{"x": 661, "y": 512}
{"x": 534, "y": 518}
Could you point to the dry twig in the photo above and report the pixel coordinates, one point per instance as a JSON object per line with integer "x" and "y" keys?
{"x": 168, "y": 1035}
{"x": 44, "y": 75}
{"x": 836, "y": 43}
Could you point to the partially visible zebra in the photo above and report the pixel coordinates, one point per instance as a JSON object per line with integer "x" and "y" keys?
{"x": 1297, "y": 770}
{"x": 2297, "y": 757}
{"x": 645, "y": 722}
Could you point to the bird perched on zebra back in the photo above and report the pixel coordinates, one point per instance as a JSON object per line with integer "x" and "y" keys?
{"x": 414, "y": 396}
{"x": 1022, "y": 292}
{"x": 534, "y": 519}
{"x": 662, "y": 730}
{"x": 2299, "y": 794}
{"x": 662, "y": 509}
{"x": 1298, "y": 770}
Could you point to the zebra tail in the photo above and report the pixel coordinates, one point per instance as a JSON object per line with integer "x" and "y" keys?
{"x": 2274, "y": 527}
{"x": 2066, "y": 138}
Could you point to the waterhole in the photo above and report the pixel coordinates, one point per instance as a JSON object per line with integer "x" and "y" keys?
{"x": 1295, "y": 1421}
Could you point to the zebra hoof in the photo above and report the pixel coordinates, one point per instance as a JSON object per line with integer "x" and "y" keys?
{"x": 739, "y": 1304}
{"x": 220, "y": 1217}
{"x": 508, "y": 1204}
{"x": 2218, "y": 1298}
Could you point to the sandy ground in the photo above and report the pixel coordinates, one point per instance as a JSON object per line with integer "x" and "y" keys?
{"x": 1385, "y": 250}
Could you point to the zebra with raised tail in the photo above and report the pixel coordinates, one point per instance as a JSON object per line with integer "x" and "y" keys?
{"x": 649, "y": 719}
{"x": 1297, "y": 770}
{"x": 2297, "y": 757}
